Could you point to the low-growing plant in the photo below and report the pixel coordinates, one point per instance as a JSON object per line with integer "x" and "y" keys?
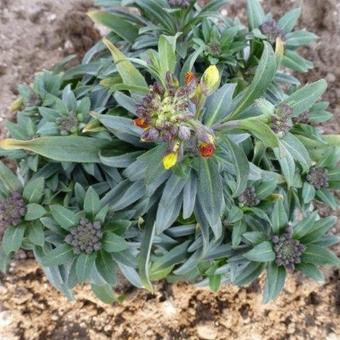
{"x": 180, "y": 149}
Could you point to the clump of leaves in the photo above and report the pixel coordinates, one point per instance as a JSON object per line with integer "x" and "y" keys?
{"x": 180, "y": 149}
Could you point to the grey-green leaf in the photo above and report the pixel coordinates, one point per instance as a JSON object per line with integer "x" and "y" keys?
{"x": 262, "y": 252}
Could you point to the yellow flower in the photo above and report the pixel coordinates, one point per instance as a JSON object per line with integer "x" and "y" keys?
{"x": 170, "y": 160}
{"x": 211, "y": 79}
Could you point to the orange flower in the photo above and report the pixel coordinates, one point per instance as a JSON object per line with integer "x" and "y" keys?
{"x": 206, "y": 149}
{"x": 189, "y": 78}
{"x": 140, "y": 122}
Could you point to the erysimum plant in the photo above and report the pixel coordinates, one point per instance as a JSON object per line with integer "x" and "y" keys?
{"x": 180, "y": 149}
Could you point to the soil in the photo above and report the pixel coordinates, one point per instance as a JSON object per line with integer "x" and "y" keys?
{"x": 36, "y": 34}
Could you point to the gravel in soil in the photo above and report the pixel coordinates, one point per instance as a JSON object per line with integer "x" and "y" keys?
{"x": 36, "y": 34}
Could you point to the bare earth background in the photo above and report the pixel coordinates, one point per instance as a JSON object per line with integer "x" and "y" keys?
{"x": 34, "y": 35}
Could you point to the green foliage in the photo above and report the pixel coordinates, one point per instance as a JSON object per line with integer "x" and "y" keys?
{"x": 180, "y": 149}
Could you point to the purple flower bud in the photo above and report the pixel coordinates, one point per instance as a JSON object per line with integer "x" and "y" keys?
{"x": 184, "y": 132}
{"x": 150, "y": 135}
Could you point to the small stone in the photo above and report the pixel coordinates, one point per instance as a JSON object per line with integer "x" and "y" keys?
{"x": 206, "y": 331}
{"x": 6, "y": 318}
{"x": 331, "y": 78}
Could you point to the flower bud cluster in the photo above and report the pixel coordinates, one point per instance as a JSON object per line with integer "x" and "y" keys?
{"x": 272, "y": 31}
{"x": 248, "y": 197}
{"x": 166, "y": 113}
{"x": 67, "y": 124}
{"x": 12, "y": 210}
{"x": 281, "y": 122}
{"x": 215, "y": 49}
{"x": 288, "y": 251}
{"x": 318, "y": 177}
{"x": 86, "y": 237}
{"x": 303, "y": 118}
{"x": 179, "y": 3}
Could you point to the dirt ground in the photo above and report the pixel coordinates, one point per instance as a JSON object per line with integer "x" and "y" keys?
{"x": 34, "y": 35}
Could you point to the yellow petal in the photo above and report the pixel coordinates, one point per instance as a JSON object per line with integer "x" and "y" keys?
{"x": 170, "y": 160}
{"x": 211, "y": 79}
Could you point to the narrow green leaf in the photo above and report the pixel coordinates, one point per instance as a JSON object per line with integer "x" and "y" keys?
{"x": 255, "y": 14}
{"x": 249, "y": 273}
{"x": 34, "y": 212}
{"x": 210, "y": 193}
{"x": 167, "y": 54}
{"x": 12, "y": 238}
{"x": 36, "y": 233}
{"x": 289, "y": 20}
{"x": 62, "y": 254}
{"x": 303, "y": 227}
{"x": 104, "y": 293}
{"x": 274, "y": 282}
{"x": 262, "y": 252}
{"x": 7, "y": 178}
{"x": 260, "y": 130}
{"x": 264, "y": 75}
{"x": 84, "y": 266}
{"x": 122, "y": 27}
{"x": 129, "y": 74}
{"x": 65, "y": 217}
{"x": 297, "y": 150}
{"x": 240, "y": 163}
{"x": 215, "y": 282}
{"x": 279, "y": 217}
{"x": 34, "y": 190}
{"x": 113, "y": 243}
{"x": 318, "y": 255}
{"x": 311, "y": 270}
{"x": 303, "y": 99}
{"x": 287, "y": 163}
{"x": 218, "y": 105}
{"x": 63, "y": 149}
{"x": 91, "y": 203}
{"x": 145, "y": 252}
{"x": 106, "y": 267}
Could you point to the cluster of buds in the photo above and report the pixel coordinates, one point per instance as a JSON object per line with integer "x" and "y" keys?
{"x": 272, "y": 31}
{"x": 179, "y": 3}
{"x": 282, "y": 122}
{"x": 303, "y": 118}
{"x": 12, "y": 210}
{"x": 214, "y": 49}
{"x": 168, "y": 114}
{"x": 288, "y": 251}
{"x": 318, "y": 177}
{"x": 86, "y": 237}
{"x": 67, "y": 124}
{"x": 248, "y": 197}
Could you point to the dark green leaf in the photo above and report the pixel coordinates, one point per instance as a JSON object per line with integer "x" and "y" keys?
{"x": 36, "y": 233}
{"x": 34, "y": 190}
{"x": 84, "y": 266}
{"x": 91, "y": 203}
{"x": 262, "y": 252}
{"x": 62, "y": 254}
{"x": 34, "y": 212}
{"x": 274, "y": 282}
{"x": 106, "y": 267}
{"x": 12, "y": 238}
{"x": 113, "y": 243}
{"x": 318, "y": 255}
{"x": 65, "y": 217}
{"x": 63, "y": 149}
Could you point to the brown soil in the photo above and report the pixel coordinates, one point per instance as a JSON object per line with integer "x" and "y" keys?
{"x": 36, "y": 34}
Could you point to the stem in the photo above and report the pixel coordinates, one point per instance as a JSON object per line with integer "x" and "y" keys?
{"x": 233, "y": 124}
